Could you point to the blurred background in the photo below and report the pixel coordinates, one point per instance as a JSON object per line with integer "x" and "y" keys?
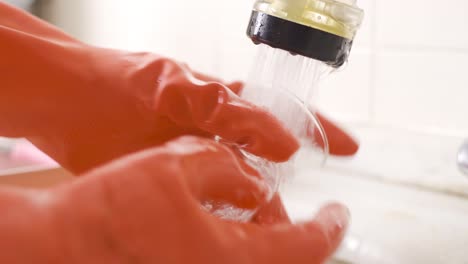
{"x": 403, "y": 94}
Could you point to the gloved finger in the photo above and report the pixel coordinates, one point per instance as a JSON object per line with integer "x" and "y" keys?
{"x": 236, "y": 87}
{"x": 272, "y": 213}
{"x": 252, "y": 127}
{"x": 20, "y": 20}
{"x": 311, "y": 242}
{"x": 213, "y": 108}
{"x": 215, "y": 173}
{"x": 340, "y": 143}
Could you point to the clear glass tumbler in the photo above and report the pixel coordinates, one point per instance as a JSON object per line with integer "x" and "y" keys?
{"x": 283, "y": 84}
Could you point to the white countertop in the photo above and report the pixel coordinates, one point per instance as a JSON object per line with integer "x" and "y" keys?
{"x": 410, "y": 225}
{"x": 407, "y": 198}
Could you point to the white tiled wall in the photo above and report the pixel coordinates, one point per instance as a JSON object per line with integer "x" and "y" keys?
{"x": 346, "y": 95}
{"x": 407, "y": 68}
{"x": 423, "y": 89}
{"x": 422, "y": 23}
{"x": 421, "y": 77}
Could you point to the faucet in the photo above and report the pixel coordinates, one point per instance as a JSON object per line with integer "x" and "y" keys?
{"x": 463, "y": 158}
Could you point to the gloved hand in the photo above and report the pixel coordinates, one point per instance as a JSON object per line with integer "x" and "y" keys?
{"x": 85, "y": 106}
{"x": 145, "y": 208}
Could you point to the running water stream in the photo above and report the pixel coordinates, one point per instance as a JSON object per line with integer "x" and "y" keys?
{"x": 284, "y": 84}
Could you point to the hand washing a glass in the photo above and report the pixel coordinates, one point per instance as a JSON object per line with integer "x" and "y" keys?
{"x": 140, "y": 131}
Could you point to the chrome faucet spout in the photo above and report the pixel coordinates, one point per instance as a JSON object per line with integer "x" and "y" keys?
{"x": 463, "y": 158}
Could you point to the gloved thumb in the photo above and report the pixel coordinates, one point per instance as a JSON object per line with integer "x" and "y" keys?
{"x": 307, "y": 243}
{"x": 215, "y": 173}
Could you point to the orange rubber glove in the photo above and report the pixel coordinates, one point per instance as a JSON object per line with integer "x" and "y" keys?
{"x": 85, "y": 106}
{"x": 146, "y": 209}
